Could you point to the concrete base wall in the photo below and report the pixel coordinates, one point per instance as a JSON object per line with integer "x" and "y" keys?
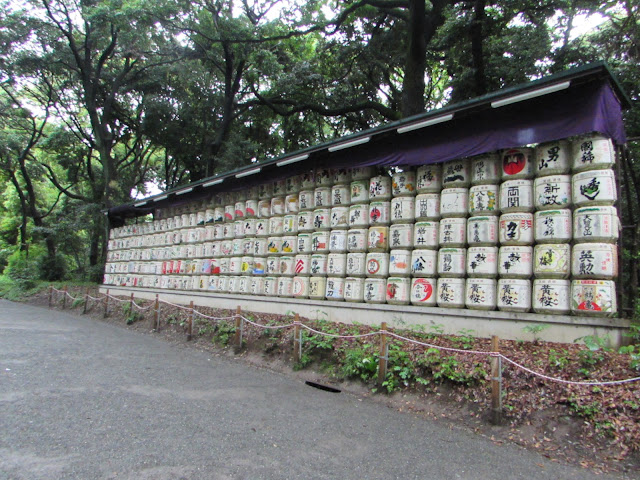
{"x": 507, "y": 325}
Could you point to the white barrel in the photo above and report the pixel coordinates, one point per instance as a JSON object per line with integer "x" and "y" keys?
{"x": 354, "y": 289}
{"x": 595, "y": 224}
{"x": 483, "y": 200}
{"x": 334, "y": 288}
{"x": 340, "y": 195}
{"x": 237, "y": 246}
{"x": 276, "y": 225}
{"x": 223, "y": 284}
{"x": 318, "y": 265}
{"x": 306, "y": 200}
{"x": 552, "y": 192}
{"x": 456, "y": 173}
{"x": 229, "y": 213}
{"x": 235, "y": 265}
{"x": 322, "y": 197}
{"x": 453, "y": 232}
{"x": 305, "y": 221}
{"x": 300, "y": 287}
{"x": 403, "y": 209}
{"x": 279, "y": 187}
{"x": 362, "y": 173}
{"x": 308, "y": 180}
{"x": 277, "y": 206}
{"x": 272, "y": 267}
{"x": 274, "y": 245}
{"x": 304, "y": 243}
{"x": 380, "y": 188}
{"x": 485, "y": 169}
{"x": 339, "y": 217}
{"x": 224, "y": 265}
{"x": 302, "y": 264}
{"x": 515, "y": 262}
{"x": 451, "y": 292}
{"x": 359, "y": 215}
{"x": 551, "y": 296}
{"x": 247, "y": 265}
{"x": 424, "y": 263}
{"x": 290, "y": 224}
{"x": 320, "y": 242}
{"x": 249, "y": 227}
{"x": 289, "y": 244}
{"x": 375, "y": 290}
{"x": 403, "y": 183}
{"x": 293, "y": 184}
{"x": 480, "y": 293}
{"x": 209, "y": 235}
{"x": 401, "y": 235}
{"x": 317, "y": 288}
{"x": 423, "y": 291}
{"x": 265, "y": 190}
{"x": 285, "y": 287}
{"x": 553, "y": 226}
{"x": 226, "y": 248}
{"x": 264, "y": 208}
{"x": 593, "y": 297}
{"x": 516, "y": 196}
{"x": 595, "y": 187}
{"x": 592, "y": 152}
{"x": 594, "y": 261}
{"x": 377, "y": 264}
{"x": 379, "y": 213}
{"x": 323, "y": 177}
{"x": 482, "y": 262}
{"x": 378, "y": 239}
{"x": 454, "y": 202}
{"x": 400, "y": 263}
{"x": 359, "y": 191}
{"x": 356, "y": 264}
{"x": 337, "y": 264}
{"x": 257, "y": 286}
{"x": 338, "y": 241}
{"x": 248, "y": 246}
{"x": 553, "y": 158}
{"x": 514, "y": 295}
{"x": 429, "y": 178}
{"x": 251, "y": 208}
{"x": 398, "y": 290}
{"x": 218, "y": 214}
{"x": 240, "y": 210}
{"x": 270, "y": 286}
{"x": 516, "y": 229}
{"x": 552, "y": 260}
{"x": 291, "y": 203}
{"x": 262, "y": 227}
{"x": 286, "y": 266}
{"x": 452, "y": 262}
{"x": 425, "y": 234}
{"x": 341, "y": 176}
{"x": 322, "y": 219}
{"x": 517, "y": 163}
{"x": 482, "y": 231}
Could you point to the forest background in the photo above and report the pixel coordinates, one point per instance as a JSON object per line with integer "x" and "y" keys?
{"x": 101, "y": 101}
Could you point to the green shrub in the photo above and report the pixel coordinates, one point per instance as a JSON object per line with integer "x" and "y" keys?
{"x": 52, "y": 268}
{"x": 22, "y": 270}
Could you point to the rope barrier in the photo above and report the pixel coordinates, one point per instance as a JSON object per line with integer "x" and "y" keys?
{"x": 371, "y": 334}
{"x": 448, "y": 349}
{"x": 142, "y": 308}
{"x": 269, "y": 327}
{"x": 173, "y": 305}
{"x": 212, "y": 318}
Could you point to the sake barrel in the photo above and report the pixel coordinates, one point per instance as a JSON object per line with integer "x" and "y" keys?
{"x": 401, "y": 235}
{"x": 516, "y": 196}
{"x": 454, "y": 202}
{"x": 308, "y": 180}
{"x": 290, "y": 224}
{"x": 482, "y": 262}
{"x": 286, "y": 266}
{"x": 424, "y": 263}
{"x": 594, "y": 261}
{"x": 302, "y": 264}
{"x": 320, "y": 242}
{"x": 293, "y": 184}
{"x": 249, "y": 227}
{"x": 339, "y": 217}
{"x": 553, "y": 226}
{"x": 341, "y": 176}
{"x": 516, "y": 229}
{"x": 423, "y": 291}
{"x": 515, "y": 262}
{"x": 485, "y": 169}
{"x": 451, "y": 292}
{"x": 334, "y": 289}
{"x": 552, "y": 260}
{"x": 291, "y": 203}
{"x": 483, "y": 200}
{"x": 338, "y": 241}
{"x": 456, "y": 173}
{"x": 322, "y": 197}
{"x": 272, "y": 266}
{"x": 279, "y": 187}
{"x": 276, "y": 225}
{"x": 277, "y": 206}
{"x": 340, "y": 195}
{"x": 240, "y": 210}
{"x": 300, "y": 287}
{"x": 403, "y": 183}
{"x": 216, "y": 249}
{"x": 551, "y": 295}
{"x": 403, "y": 209}
{"x": 362, "y": 173}
{"x": 210, "y": 233}
{"x": 193, "y": 219}
{"x": 224, "y": 265}
{"x": 235, "y": 265}
{"x": 305, "y": 222}
{"x": 354, "y": 289}
{"x": 304, "y": 243}
{"x": 218, "y": 214}
{"x": 323, "y": 177}
{"x": 257, "y": 286}
{"x": 285, "y": 287}
{"x": 482, "y": 231}
{"x": 337, "y": 264}
{"x": 480, "y": 293}
{"x": 595, "y": 224}
{"x": 429, "y": 178}
{"x": 318, "y": 265}
{"x": 514, "y": 295}
{"x": 398, "y": 290}
{"x": 229, "y": 213}
{"x": 379, "y": 213}
{"x": 356, "y": 264}
{"x": 359, "y": 215}
{"x": 264, "y": 208}
{"x": 400, "y": 263}
{"x": 377, "y": 264}
{"x": 425, "y": 234}
{"x": 378, "y": 239}
{"x": 262, "y": 227}
{"x": 593, "y": 297}
{"x": 206, "y": 266}
{"x": 317, "y": 288}
{"x": 289, "y": 244}
{"x": 247, "y": 265}
{"x": 380, "y": 188}
{"x": 452, "y": 262}
{"x": 553, "y": 158}
{"x": 375, "y": 290}
{"x": 322, "y": 219}
{"x": 552, "y": 192}
{"x": 453, "y": 232}
{"x": 594, "y": 187}
{"x": 226, "y": 248}
{"x": 517, "y": 163}
{"x": 306, "y": 200}
{"x": 592, "y": 152}
{"x": 359, "y": 191}
{"x": 274, "y": 245}
{"x": 237, "y": 246}
{"x": 251, "y": 208}
{"x": 223, "y": 284}
{"x": 270, "y": 286}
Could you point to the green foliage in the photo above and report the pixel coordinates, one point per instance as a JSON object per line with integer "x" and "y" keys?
{"x": 131, "y": 315}
{"x": 22, "y": 270}
{"x": 587, "y": 411}
{"x": 52, "y": 268}
{"x": 558, "y": 360}
{"x": 223, "y": 333}
{"x": 535, "y": 329}
{"x": 360, "y": 362}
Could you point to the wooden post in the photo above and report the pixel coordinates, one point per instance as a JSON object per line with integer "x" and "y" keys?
{"x": 496, "y": 383}
{"x": 190, "y": 323}
{"x": 50, "y": 295}
{"x": 237, "y": 338}
{"x": 131, "y": 304}
{"x": 384, "y": 354}
{"x": 64, "y": 297}
{"x": 86, "y": 299}
{"x": 106, "y": 304}
{"x": 156, "y": 314}
{"x": 297, "y": 338}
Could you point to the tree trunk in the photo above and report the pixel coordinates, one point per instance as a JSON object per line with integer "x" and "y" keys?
{"x": 413, "y": 85}
{"x": 477, "y": 53}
